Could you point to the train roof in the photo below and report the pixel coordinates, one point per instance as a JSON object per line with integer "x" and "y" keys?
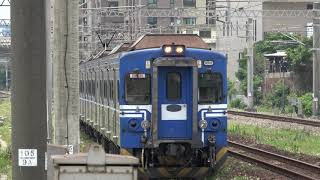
{"x": 157, "y": 40}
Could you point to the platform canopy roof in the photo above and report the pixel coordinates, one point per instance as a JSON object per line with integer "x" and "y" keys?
{"x": 277, "y": 54}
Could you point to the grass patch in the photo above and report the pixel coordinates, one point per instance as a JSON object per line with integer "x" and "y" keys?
{"x": 296, "y": 141}
{"x": 85, "y": 142}
{"x": 5, "y": 163}
{"x": 5, "y": 135}
{"x": 5, "y": 111}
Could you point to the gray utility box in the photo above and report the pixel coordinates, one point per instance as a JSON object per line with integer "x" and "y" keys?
{"x": 95, "y": 165}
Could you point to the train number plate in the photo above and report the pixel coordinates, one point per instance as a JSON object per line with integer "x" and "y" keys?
{"x": 28, "y": 157}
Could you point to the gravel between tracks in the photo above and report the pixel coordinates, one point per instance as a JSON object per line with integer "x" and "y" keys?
{"x": 273, "y": 124}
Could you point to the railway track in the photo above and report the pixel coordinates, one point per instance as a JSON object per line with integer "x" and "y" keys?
{"x": 315, "y": 123}
{"x": 289, "y": 167}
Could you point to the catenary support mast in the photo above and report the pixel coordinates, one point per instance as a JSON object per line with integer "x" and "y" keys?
{"x": 66, "y": 73}
{"x": 316, "y": 58}
{"x": 29, "y": 89}
{"x": 250, "y": 63}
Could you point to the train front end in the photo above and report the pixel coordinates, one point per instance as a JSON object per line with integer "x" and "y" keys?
{"x": 173, "y": 110}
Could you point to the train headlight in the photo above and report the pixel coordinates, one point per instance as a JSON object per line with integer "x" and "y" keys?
{"x": 179, "y": 49}
{"x": 167, "y": 49}
{"x": 203, "y": 124}
{"x": 145, "y": 124}
{"x": 173, "y": 50}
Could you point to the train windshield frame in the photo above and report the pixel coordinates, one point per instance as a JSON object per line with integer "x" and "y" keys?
{"x": 210, "y": 88}
{"x": 138, "y": 90}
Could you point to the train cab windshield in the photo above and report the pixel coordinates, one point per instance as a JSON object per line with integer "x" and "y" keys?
{"x": 210, "y": 88}
{"x": 137, "y": 89}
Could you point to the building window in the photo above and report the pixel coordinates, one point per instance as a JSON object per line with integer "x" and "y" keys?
{"x": 205, "y": 34}
{"x": 172, "y": 20}
{"x": 309, "y": 6}
{"x": 189, "y": 3}
{"x": 152, "y": 3}
{"x": 173, "y": 86}
{"x": 189, "y": 21}
{"x": 85, "y": 21}
{"x": 113, "y": 4}
{"x": 152, "y": 21}
{"x": 172, "y": 3}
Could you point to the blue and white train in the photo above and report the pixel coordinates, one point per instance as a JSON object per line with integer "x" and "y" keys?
{"x": 164, "y": 102}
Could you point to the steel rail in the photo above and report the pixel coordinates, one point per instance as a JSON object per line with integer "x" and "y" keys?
{"x": 276, "y": 168}
{"x": 302, "y": 121}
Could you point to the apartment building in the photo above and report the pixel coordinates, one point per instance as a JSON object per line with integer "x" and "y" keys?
{"x": 201, "y": 25}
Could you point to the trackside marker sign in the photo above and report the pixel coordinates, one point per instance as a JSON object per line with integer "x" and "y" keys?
{"x": 28, "y": 157}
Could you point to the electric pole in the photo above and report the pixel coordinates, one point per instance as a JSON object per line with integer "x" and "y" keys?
{"x": 316, "y": 58}
{"x": 250, "y": 64}
{"x": 29, "y": 111}
{"x": 66, "y": 73}
{"x": 49, "y": 25}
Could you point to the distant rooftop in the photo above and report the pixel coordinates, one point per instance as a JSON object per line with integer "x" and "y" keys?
{"x": 157, "y": 40}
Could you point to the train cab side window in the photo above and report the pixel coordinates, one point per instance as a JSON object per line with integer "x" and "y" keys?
{"x": 137, "y": 89}
{"x": 173, "y": 86}
{"x": 210, "y": 88}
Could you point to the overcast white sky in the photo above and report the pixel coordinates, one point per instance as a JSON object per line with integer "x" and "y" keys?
{"x": 5, "y": 12}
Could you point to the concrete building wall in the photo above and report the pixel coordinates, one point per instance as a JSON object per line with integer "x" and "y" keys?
{"x": 232, "y": 41}
{"x": 294, "y": 24}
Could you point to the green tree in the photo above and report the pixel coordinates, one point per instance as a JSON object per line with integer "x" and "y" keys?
{"x": 306, "y": 101}
{"x": 274, "y": 98}
{"x": 2, "y": 76}
{"x": 231, "y": 89}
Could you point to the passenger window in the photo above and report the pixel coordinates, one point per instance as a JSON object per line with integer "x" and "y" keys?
{"x": 137, "y": 89}
{"x": 105, "y": 89}
{"x": 173, "y": 86}
{"x": 210, "y": 88}
{"x": 111, "y": 90}
{"x": 118, "y": 90}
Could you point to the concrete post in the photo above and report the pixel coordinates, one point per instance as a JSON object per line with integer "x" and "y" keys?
{"x": 250, "y": 64}
{"x": 316, "y": 58}
{"x": 29, "y": 89}
{"x": 49, "y": 25}
{"x": 66, "y": 73}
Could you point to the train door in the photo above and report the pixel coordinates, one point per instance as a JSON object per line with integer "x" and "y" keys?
{"x": 175, "y": 103}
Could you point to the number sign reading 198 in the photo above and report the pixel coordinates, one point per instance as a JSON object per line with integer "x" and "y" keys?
{"x": 28, "y": 157}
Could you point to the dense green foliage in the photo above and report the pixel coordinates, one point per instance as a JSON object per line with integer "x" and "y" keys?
{"x": 237, "y": 103}
{"x": 275, "y": 97}
{"x": 2, "y": 76}
{"x": 231, "y": 89}
{"x": 306, "y": 101}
